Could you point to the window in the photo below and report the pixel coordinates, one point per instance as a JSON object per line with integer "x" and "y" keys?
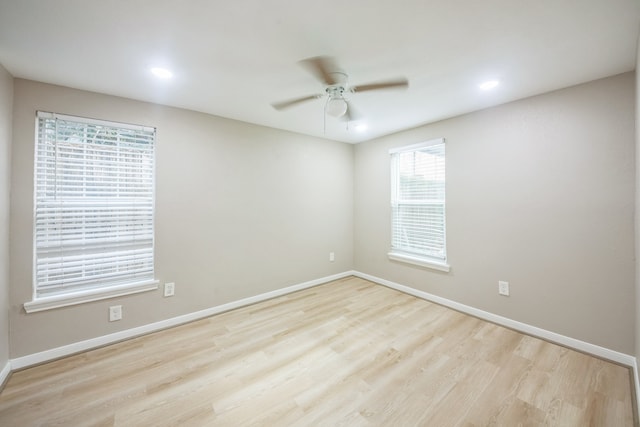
{"x": 418, "y": 232}
{"x": 94, "y": 210}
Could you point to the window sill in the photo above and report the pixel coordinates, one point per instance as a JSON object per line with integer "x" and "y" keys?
{"x": 80, "y": 297}
{"x": 422, "y": 262}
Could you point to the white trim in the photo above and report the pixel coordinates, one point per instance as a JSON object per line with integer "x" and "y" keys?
{"x": 48, "y": 355}
{"x": 573, "y": 343}
{"x": 4, "y": 373}
{"x": 88, "y": 295}
{"x": 49, "y": 115}
{"x": 636, "y": 384}
{"x": 417, "y": 146}
{"x": 422, "y": 262}
{"x": 56, "y": 353}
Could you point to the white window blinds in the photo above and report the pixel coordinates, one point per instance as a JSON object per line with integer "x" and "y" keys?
{"x": 94, "y": 204}
{"x": 418, "y": 201}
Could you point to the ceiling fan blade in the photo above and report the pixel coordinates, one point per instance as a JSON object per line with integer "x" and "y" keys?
{"x": 291, "y": 102}
{"x": 390, "y": 84}
{"x": 323, "y": 68}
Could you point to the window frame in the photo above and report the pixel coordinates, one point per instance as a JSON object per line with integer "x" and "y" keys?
{"x": 395, "y": 253}
{"x": 101, "y": 288}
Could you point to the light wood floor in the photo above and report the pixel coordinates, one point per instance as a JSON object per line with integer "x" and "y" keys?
{"x": 348, "y": 353}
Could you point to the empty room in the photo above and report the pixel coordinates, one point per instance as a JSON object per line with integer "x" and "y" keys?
{"x": 410, "y": 213}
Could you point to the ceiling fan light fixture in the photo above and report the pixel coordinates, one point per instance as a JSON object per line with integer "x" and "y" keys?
{"x": 336, "y": 107}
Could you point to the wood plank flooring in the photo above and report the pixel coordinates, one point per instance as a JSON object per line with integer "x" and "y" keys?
{"x": 347, "y": 353}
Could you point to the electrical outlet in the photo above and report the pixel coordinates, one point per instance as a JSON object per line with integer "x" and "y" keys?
{"x": 169, "y": 289}
{"x": 115, "y": 313}
{"x": 503, "y": 288}
{"x": 332, "y": 256}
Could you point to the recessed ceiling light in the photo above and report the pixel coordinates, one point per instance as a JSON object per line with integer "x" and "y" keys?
{"x": 361, "y": 127}
{"x": 161, "y": 73}
{"x": 488, "y": 85}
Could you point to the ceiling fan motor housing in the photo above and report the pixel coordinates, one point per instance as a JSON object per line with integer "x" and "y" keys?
{"x": 335, "y": 91}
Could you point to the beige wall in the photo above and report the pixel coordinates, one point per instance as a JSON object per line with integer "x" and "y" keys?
{"x": 6, "y": 104}
{"x": 540, "y": 193}
{"x": 240, "y": 210}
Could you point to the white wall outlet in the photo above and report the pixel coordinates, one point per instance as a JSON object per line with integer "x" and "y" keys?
{"x": 115, "y": 313}
{"x": 169, "y": 289}
{"x": 332, "y": 256}
{"x": 503, "y": 288}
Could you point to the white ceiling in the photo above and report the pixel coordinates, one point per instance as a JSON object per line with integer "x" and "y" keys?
{"x": 234, "y": 58}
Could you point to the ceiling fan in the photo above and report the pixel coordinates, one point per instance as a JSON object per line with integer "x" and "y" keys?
{"x": 336, "y": 90}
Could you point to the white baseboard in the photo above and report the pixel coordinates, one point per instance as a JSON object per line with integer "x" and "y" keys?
{"x": 573, "y": 343}
{"x": 4, "y": 373}
{"x": 48, "y": 355}
{"x": 56, "y": 353}
{"x": 636, "y": 382}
